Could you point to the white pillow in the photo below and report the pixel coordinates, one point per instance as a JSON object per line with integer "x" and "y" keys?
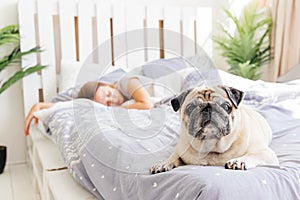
{"x": 69, "y": 71}
{"x": 44, "y": 113}
{"x": 170, "y": 84}
{"x": 235, "y": 81}
{"x": 71, "y": 74}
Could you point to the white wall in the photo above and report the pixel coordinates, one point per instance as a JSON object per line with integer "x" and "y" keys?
{"x": 11, "y": 101}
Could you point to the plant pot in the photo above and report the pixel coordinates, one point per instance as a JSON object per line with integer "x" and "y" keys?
{"x": 2, "y": 158}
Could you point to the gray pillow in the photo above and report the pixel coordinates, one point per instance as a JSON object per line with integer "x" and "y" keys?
{"x": 162, "y": 67}
{"x": 113, "y": 76}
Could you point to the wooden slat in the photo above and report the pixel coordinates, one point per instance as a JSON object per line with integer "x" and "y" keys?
{"x": 63, "y": 186}
{"x": 85, "y": 9}
{"x": 123, "y": 20}
{"x": 204, "y": 28}
{"x": 217, "y": 16}
{"x": 153, "y": 15}
{"x": 31, "y": 83}
{"x": 172, "y": 33}
{"x": 135, "y": 35}
{"x": 67, "y": 29}
{"x": 46, "y": 40}
{"x": 119, "y": 37}
{"x": 103, "y": 16}
{"x": 188, "y": 30}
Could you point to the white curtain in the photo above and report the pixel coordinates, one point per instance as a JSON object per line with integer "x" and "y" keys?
{"x": 285, "y": 36}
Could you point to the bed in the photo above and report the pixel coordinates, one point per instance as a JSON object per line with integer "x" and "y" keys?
{"x": 84, "y": 150}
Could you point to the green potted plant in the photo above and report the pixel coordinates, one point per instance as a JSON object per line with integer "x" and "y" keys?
{"x": 248, "y": 49}
{"x": 10, "y": 40}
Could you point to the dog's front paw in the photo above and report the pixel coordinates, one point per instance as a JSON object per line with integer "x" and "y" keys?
{"x": 162, "y": 167}
{"x": 236, "y": 164}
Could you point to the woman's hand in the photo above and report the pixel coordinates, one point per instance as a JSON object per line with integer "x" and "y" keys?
{"x": 36, "y": 107}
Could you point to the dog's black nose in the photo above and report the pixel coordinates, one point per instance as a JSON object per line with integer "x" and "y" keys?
{"x": 207, "y": 109}
{"x": 206, "y": 115}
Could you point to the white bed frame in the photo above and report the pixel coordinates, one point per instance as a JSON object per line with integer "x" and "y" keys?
{"x": 71, "y": 30}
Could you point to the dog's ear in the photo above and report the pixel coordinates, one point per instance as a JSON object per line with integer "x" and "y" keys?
{"x": 179, "y": 99}
{"x": 235, "y": 95}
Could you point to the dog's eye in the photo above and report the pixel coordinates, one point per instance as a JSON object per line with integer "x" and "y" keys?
{"x": 189, "y": 109}
{"x": 227, "y": 107}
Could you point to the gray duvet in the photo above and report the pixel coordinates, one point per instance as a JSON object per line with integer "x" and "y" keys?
{"x": 109, "y": 150}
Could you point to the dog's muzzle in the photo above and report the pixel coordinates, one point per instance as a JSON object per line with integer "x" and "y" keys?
{"x": 208, "y": 123}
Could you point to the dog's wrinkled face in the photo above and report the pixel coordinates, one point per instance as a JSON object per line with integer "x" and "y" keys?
{"x": 208, "y": 113}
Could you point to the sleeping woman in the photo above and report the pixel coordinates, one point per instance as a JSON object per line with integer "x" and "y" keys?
{"x": 133, "y": 90}
{"x": 107, "y": 94}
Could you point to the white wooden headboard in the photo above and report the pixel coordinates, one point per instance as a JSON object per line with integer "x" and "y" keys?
{"x": 72, "y": 30}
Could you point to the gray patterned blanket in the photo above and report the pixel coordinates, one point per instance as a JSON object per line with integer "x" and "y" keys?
{"x": 109, "y": 150}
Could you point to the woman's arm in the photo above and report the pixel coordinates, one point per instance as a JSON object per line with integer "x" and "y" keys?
{"x": 30, "y": 116}
{"x": 139, "y": 94}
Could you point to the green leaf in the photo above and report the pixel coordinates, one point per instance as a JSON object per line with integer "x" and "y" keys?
{"x": 14, "y": 28}
{"x": 19, "y": 75}
{"x": 15, "y": 56}
{"x": 9, "y": 35}
{"x": 249, "y": 48}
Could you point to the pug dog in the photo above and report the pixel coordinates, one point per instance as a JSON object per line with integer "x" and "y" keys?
{"x": 218, "y": 130}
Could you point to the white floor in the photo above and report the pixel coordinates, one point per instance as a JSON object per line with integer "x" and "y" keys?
{"x": 16, "y": 183}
